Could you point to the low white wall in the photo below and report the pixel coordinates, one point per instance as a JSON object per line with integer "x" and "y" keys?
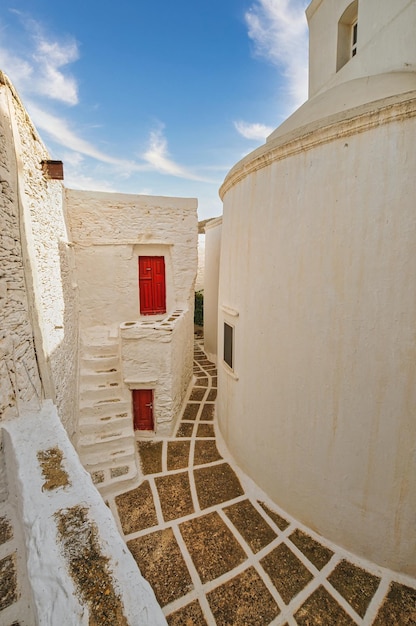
{"x": 318, "y": 277}
{"x": 57, "y": 599}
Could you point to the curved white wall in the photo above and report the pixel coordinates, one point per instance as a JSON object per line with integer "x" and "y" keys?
{"x": 212, "y": 269}
{"x": 318, "y": 279}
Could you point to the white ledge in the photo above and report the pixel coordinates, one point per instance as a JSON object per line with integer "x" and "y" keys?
{"x": 229, "y": 310}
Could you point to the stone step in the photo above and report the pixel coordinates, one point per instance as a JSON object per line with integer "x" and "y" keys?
{"x": 90, "y": 378}
{"x": 100, "y": 364}
{"x": 101, "y": 457}
{"x": 104, "y": 410}
{"x": 112, "y": 439}
{"x": 120, "y": 476}
{"x": 104, "y": 425}
{"x": 105, "y": 395}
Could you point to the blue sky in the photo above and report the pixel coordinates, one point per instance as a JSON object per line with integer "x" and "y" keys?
{"x": 155, "y": 96}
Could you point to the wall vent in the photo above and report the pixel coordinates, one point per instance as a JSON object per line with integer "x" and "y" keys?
{"x": 53, "y": 170}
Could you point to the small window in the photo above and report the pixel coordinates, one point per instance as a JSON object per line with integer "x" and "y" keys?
{"x": 347, "y": 35}
{"x": 228, "y": 344}
{"x": 354, "y": 34}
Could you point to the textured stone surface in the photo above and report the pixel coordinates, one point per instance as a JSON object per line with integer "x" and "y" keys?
{"x": 35, "y": 234}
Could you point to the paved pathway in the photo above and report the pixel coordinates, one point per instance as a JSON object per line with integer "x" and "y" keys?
{"x": 217, "y": 551}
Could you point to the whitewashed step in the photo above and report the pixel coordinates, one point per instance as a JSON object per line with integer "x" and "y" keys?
{"x": 102, "y": 458}
{"x": 105, "y": 425}
{"x": 90, "y": 378}
{"x": 105, "y": 395}
{"x": 105, "y": 410}
{"x": 100, "y": 364}
{"x": 103, "y": 350}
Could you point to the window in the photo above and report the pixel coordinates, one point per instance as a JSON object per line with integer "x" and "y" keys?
{"x": 354, "y": 33}
{"x": 228, "y": 344}
{"x": 152, "y": 287}
{"x": 347, "y": 35}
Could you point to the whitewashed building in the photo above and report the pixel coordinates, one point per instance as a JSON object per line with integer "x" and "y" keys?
{"x": 96, "y": 343}
{"x": 317, "y": 290}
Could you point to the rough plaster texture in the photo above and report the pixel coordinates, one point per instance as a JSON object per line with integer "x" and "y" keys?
{"x": 212, "y": 268}
{"x": 19, "y": 376}
{"x": 110, "y": 232}
{"x": 48, "y": 310}
{"x": 159, "y": 356}
{"x": 55, "y": 598}
{"x": 318, "y": 279}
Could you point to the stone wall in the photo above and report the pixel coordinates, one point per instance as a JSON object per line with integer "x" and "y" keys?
{"x": 19, "y": 376}
{"x": 36, "y": 242}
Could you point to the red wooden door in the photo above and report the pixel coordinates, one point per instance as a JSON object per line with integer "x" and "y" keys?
{"x": 143, "y": 409}
{"x": 152, "y": 286}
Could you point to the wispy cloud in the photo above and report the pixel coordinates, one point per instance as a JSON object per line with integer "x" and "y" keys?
{"x": 60, "y": 132}
{"x": 39, "y": 69}
{"x": 279, "y": 31}
{"x": 157, "y": 156}
{"x": 258, "y": 132}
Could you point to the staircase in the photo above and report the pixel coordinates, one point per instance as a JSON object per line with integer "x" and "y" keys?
{"x": 106, "y": 443}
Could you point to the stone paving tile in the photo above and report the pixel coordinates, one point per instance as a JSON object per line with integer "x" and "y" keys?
{"x": 243, "y": 601}
{"x": 202, "y": 381}
{"x": 212, "y": 395}
{"x": 197, "y": 394}
{"x": 174, "y": 495}
{"x": 6, "y": 530}
{"x": 320, "y": 609}
{"x": 205, "y": 430}
{"x": 178, "y": 454}
{"x": 277, "y": 519}
{"x": 8, "y": 581}
{"x": 206, "y": 452}
{"x": 216, "y": 484}
{"x": 185, "y": 430}
{"x": 136, "y": 509}
{"x": 355, "y": 585}
{"x": 317, "y": 554}
{"x": 189, "y": 615}
{"x": 207, "y": 413}
{"x": 150, "y": 456}
{"x": 250, "y": 524}
{"x": 161, "y": 562}
{"x": 190, "y": 411}
{"x": 398, "y": 608}
{"x": 212, "y": 546}
{"x": 286, "y": 572}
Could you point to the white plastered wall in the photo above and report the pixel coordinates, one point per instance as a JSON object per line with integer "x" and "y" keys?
{"x": 212, "y": 268}
{"x": 318, "y": 274}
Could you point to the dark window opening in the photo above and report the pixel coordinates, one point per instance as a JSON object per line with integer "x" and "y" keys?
{"x": 228, "y": 344}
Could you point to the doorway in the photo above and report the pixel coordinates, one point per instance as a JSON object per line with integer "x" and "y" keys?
{"x": 143, "y": 409}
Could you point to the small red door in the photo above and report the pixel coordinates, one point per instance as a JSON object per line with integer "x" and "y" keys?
{"x": 152, "y": 286}
{"x": 143, "y": 409}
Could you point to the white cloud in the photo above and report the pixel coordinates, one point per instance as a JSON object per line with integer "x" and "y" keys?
{"x": 279, "y": 31}
{"x": 38, "y": 67}
{"x": 50, "y": 57}
{"x": 258, "y": 132}
{"x": 157, "y": 157}
{"x": 58, "y": 129}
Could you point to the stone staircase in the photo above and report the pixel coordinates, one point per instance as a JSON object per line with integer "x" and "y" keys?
{"x": 106, "y": 443}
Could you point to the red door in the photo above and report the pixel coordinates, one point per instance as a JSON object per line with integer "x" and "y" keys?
{"x": 152, "y": 287}
{"x": 143, "y": 409}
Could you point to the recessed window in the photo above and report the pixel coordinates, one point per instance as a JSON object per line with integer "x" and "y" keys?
{"x": 229, "y": 345}
{"x": 354, "y": 34}
{"x": 347, "y": 35}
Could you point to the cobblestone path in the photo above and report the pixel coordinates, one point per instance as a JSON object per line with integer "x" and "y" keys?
{"x": 217, "y": 551}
